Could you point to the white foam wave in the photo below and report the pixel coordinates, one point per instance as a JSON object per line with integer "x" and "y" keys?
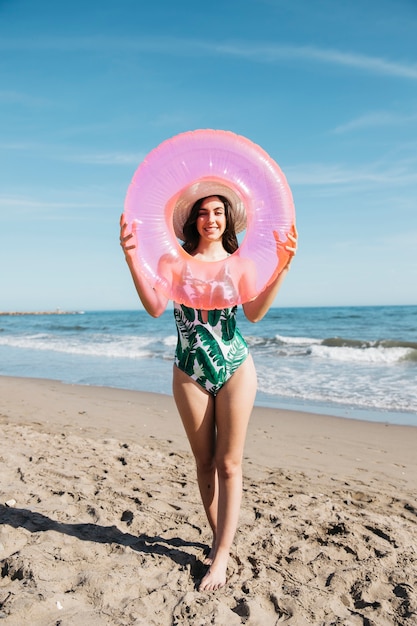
{"x": 374, "y": 355}
{"x": 170, "y": 341}
{"x": 297, "y": 341}
{"x": 108, "y": 347}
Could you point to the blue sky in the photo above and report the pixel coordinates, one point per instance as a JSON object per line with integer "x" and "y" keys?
{"x": 88, "y": 88}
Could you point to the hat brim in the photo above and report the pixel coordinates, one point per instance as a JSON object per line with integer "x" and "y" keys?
{"x": 203, "y": 189}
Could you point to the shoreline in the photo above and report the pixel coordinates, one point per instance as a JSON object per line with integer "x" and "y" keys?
{"x": 317, "y": 374}
{"x": 271, "y": 431}
{"x": 373, "y": 415}
{"x": 101, "y": 522}
{"x": 263, "y": 401}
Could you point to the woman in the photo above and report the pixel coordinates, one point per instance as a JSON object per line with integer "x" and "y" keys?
{"x": 216, "y": 392}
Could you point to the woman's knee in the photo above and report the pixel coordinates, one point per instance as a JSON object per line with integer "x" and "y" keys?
{"x": 228, "y": 467}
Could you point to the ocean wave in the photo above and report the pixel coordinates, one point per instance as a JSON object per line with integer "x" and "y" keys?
{"x": 344, "y": 386}
{"x": 363, "y": 354}
{"x": 170, "y": 341}
{"x": 65, "y": 328}
{"x": 340, "y": 342}
{"x": 144, "y": 346}
{"x": 280, "y": 341}
{"x": 411, "y": 356}
{"x": 337, "y": 348}
{"x": 296, "y": 341}
{"x": 107, "y": 347}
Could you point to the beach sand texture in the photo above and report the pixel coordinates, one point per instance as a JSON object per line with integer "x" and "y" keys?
{"x": 101, "y": 521}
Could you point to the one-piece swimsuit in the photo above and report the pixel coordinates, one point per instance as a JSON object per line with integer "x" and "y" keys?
{"x": 209, "y": 352}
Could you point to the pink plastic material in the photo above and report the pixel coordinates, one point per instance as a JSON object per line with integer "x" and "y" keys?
{"x": 257, "y": 180}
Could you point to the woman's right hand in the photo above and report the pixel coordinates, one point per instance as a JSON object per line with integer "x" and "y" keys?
{"x": 153, "y": 302}
{"x": 127, "y": 239}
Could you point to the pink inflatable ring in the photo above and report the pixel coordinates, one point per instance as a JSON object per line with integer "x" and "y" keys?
{"x": 198, "y": 164}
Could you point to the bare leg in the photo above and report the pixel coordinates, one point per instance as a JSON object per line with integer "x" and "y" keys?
{"x": 196, "y": 408}
{"x": 218, "y": 455}
{"x": 233, "y": 406}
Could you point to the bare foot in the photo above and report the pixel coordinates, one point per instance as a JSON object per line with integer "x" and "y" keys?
{"x": 208, "y": 560}
{"x": 215, "y": 577}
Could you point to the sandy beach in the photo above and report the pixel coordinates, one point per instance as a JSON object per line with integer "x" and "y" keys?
{"x": 101, "y": 522}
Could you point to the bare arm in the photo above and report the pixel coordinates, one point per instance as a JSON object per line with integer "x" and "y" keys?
{"x": 257, "y": 308}
{"x": 153, "y": 302}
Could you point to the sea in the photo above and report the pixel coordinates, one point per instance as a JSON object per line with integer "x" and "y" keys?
{"x": 352, "y": 362}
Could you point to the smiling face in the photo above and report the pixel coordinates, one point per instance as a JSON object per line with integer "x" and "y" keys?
{"x": 211, "y": 220}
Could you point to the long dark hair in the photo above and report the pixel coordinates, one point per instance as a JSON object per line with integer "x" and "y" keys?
{"x": 192, "y": 237}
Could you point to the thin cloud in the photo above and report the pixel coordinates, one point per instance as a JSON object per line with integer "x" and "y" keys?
{"x": 22, "y": 206}
{"x": 106, "y": 158}
{"x": 16, "y": 97}
{"x": 378, "y": 118}
{"x": 321, "y": 174}
{"x": 62, "y": 154}
{"x": 23, "y": 146}
{"x": 371, "y": 64}
{"x": 263, "y": 53}
{"x": 271, "y": 53}
{"x": 19, "y": 202}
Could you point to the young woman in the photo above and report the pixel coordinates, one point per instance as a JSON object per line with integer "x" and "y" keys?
{"x": 214, "y": 401}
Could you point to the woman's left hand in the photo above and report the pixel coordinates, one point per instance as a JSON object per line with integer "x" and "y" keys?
{"x": 290, "y": 245}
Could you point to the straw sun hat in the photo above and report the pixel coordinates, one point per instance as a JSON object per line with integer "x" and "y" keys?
{"x": 204, "y": 189}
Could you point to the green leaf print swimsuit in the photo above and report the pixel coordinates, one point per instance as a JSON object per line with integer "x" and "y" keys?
{"x": 209, "y": 352}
